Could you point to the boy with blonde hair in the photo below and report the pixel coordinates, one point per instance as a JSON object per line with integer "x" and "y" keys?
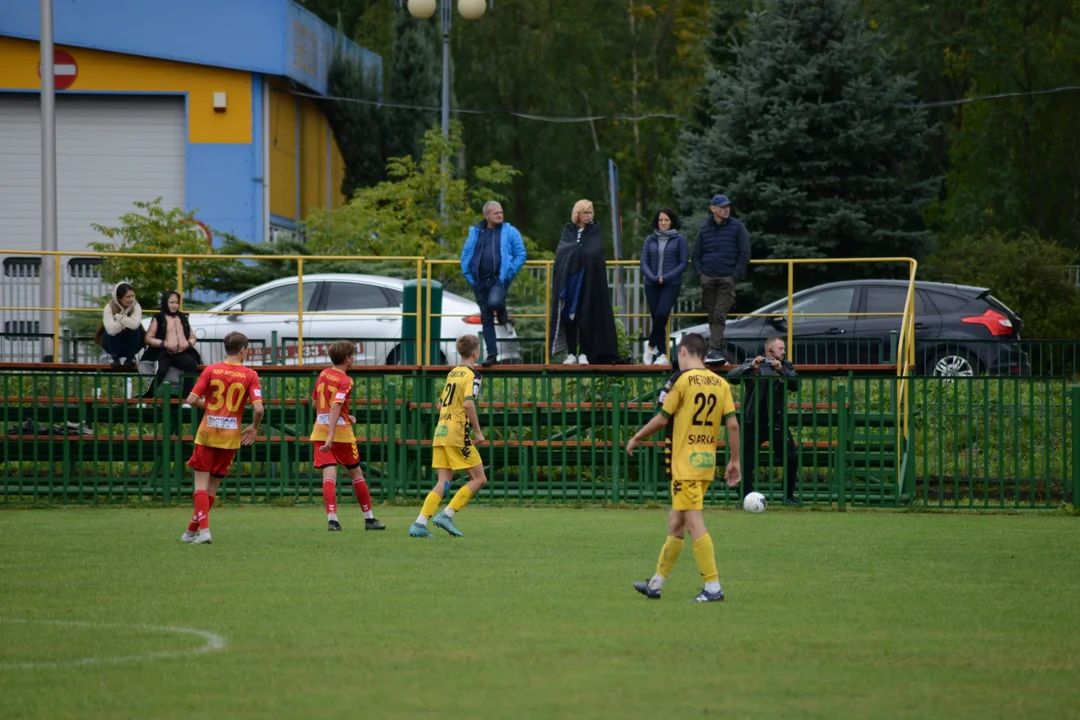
{"x": 453, "y": 448}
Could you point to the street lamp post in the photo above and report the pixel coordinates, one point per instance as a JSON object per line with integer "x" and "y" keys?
{"x": 470, "y": 10}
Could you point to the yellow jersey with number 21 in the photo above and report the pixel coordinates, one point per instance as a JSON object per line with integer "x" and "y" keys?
{"x": 462, "y": 383}
{"x": 697, "y": 402}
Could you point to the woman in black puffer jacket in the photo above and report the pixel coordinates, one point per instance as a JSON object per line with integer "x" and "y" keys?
{"x": 663, "y": 261}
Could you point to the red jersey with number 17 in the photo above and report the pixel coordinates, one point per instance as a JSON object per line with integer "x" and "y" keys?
{"x": 227, "y": 388}
{"x": 333, "y": 386}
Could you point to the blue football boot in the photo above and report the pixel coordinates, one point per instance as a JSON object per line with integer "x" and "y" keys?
{"x": 419, "y": 531}
{"x": 442, "y": 520}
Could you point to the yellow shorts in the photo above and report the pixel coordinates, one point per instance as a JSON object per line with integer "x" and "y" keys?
{"x": 455, "y": 458}
{"x": 688, "y": 494}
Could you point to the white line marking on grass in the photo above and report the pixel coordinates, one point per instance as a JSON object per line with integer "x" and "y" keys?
{"x": 211, "y": 643}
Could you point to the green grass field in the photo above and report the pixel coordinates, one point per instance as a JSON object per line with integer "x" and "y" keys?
{"x": 531, "y": 615}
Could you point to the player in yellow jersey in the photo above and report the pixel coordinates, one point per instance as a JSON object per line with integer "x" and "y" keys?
{"x": 453, "y": 447}
{"x": 695, "y": 402}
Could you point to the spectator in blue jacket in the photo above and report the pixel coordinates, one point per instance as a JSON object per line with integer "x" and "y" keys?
{"x": 493, "y": 254}
{"x": 663, "y": 261}
{"x": 721, "y": 256}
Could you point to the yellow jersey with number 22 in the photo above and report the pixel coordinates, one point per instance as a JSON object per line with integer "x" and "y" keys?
{"x": 697, "y": 402}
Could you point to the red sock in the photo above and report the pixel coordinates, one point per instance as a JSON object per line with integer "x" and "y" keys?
{"x": 194, "y": 524}
{"x": 329, "y": 496}
{"x": 202, "y": 509}
{"x": 360, "y": 488}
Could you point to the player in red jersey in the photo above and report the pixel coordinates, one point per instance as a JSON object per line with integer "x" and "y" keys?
{"x": 223, "y": 391}
{"x": 331, "y": 397}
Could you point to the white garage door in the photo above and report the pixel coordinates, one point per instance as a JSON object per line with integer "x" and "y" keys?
{"x": 111, "y": 150}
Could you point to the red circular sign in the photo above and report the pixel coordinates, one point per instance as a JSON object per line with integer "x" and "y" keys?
{"x": 65, "y": 70}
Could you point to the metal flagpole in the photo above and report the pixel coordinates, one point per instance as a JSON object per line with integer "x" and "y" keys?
{"x": 48, "y": 174}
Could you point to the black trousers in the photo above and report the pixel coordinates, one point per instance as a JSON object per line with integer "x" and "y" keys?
{"x": 184, "y": 362}
{"x": 783, "y": 448}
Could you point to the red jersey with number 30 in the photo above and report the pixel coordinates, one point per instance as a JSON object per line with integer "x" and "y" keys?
{"x": 227, "y": 388}
{"x": 333, "y": 386}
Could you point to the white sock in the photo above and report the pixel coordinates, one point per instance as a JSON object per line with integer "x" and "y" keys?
{"x": 656, "y": 582}
{"x": 712, "y": 587}
{"x": 449, "y": 512}
{"x": 369, "y": 515}
{"x": 331, "y": 516}
{"x": 421, "y": 520}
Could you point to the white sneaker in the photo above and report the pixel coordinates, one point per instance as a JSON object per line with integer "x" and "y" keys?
{"x": 582, "y": 360}
{"x": 203, "y": 538}
{"x": 662, "y": 361}
{"x": 188, "y": 536}
{"x": 570, "y": 360}
{"x": 649, "y": 355}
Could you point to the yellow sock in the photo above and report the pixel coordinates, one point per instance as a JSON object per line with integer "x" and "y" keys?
{"x": 461, "y": 498}
{"x": 431, "y": 504}
{"x": 705, "y": 555}
{"x": 669, "y": 555}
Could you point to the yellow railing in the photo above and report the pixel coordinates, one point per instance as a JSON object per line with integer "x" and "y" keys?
{"x": 425, "y": 267}
{"x": 57, "y": 309}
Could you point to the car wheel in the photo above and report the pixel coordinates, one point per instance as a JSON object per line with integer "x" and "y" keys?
{"x": 952, "y": 364}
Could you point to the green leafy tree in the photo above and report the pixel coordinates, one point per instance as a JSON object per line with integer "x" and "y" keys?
{"x": 154, "y": 229}
{"x": 234, "y": 276}
{"x": 813, "y": 139}
{"x": 1013, "y": 160}
{"x": 400, "y": 217}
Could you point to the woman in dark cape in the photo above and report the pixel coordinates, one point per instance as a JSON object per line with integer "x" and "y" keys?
{"x": 582, "y": 320}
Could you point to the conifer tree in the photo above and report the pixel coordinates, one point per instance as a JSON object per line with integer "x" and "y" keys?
{"x": 813, "y": 138}
{"x": 415, "y": 79}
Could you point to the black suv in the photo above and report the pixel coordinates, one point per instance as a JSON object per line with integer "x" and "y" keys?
{"x": 959, "y": 330}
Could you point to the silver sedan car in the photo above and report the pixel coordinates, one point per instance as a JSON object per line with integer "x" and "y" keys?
{"x": 364, "y": 308}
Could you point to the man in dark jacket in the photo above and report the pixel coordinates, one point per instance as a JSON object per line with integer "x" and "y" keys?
{"x": 765, "y": 380}
{"x": 721, "y": 256}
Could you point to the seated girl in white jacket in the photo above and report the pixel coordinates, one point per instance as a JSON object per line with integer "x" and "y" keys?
{"x": 122, "y": 319}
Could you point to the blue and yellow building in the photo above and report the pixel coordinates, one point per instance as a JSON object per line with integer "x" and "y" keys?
{"x": 192, "y": 101}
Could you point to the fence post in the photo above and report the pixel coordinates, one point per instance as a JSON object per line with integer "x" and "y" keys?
{"x": 842, "y": 442}
{"x": 273, "y": 347}
{"x": 894, "y": 343}
{"x": 1075, "y": 392}
{"x": 390, "y": 489}
{"x": 166, "y": 444}
{"x": 616, "y": 442}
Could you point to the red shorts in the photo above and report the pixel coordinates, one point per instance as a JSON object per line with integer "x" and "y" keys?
{"x": 341, "y": 453}
{"x": 215, "y": 461}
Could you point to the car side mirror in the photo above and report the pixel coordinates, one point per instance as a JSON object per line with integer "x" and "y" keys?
{"x": 233, "y": 317}
{"x": 779, "y": 323}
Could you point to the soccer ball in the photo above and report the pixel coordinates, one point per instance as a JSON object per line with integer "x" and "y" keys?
{"x": 754, "y": 502}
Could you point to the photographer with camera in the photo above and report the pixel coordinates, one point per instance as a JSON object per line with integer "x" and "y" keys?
{"x": 767, "y": 379}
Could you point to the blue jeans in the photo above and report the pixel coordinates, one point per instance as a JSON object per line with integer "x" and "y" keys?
{"x": 491, "y": 297}
{"x": 661, "y": 300}
{"x": 127, "y": 344}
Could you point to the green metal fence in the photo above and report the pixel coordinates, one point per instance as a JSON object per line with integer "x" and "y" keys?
{"x": 555, "y": 435}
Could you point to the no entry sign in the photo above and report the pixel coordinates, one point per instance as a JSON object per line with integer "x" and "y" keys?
{"x": 65, "y": 70}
